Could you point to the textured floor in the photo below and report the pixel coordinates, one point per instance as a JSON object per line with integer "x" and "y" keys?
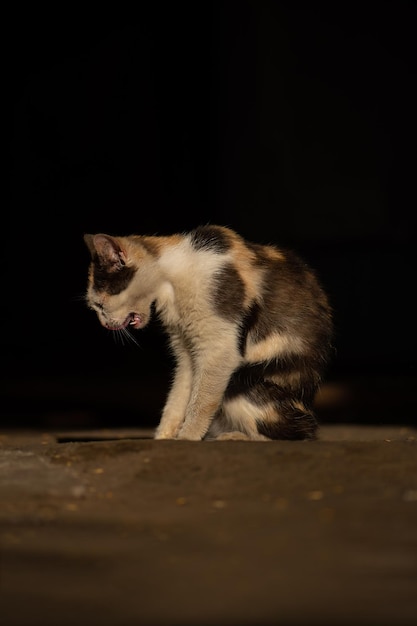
{"x": 114, "y": 528}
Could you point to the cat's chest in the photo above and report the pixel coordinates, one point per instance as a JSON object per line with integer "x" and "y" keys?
{"x": 184, "y": 308}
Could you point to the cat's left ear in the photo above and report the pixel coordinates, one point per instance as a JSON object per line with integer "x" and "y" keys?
{"x": 108, "y": 250}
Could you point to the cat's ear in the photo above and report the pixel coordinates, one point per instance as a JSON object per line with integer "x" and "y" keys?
{"x": 107, "y": 249}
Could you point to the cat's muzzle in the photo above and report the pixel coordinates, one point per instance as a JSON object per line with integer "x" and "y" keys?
{"x": 133, "y": 319}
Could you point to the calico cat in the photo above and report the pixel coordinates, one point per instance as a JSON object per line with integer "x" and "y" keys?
{"x": 249, "y": 325}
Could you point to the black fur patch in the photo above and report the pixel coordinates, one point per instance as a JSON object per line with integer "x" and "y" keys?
{"x": 249, "y": 321}
{"x": 262, "y": 320}
{"x": 111, "y": 282}
{"x": 210, "y": 238}
{"x": 229, "y": 293}
{"x": 292, "y": 423}
{"x": 246, "y": 380}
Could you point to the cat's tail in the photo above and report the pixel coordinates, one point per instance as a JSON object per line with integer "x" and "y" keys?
{"x": 266, "y": 411}
{"x": 292, "y": 421}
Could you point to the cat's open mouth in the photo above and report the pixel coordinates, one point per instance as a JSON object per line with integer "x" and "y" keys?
{"x": 133, "y": 319}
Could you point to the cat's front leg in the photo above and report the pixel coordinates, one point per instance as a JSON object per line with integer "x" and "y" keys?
{"x": 173, "y": 414}
{"x": 209, "y": 384}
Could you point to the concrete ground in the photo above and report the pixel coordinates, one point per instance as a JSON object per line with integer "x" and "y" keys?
{"x": 114, "y": 528}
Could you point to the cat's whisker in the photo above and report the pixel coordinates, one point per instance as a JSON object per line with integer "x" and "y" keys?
{"x": 120, "y": 336}
{"x": 123, "y": 337}
{"x": 116, "y": 336}
{"x": 130, "y": 338}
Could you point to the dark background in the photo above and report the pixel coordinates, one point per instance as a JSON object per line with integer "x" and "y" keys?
{"x": 293, "y": 123}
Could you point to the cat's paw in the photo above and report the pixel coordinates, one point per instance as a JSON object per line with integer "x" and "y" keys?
{"x": 186, "y": 437}
{"x": 165, "y": 434}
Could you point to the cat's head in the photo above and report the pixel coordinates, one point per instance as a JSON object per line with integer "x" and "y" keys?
{"x": 121, "y": 281}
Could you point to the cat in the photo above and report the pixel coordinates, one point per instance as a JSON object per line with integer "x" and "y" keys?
{"x": 250, "y": 327}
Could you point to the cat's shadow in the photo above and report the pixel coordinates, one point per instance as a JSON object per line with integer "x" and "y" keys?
{"x": 92, "y": 439}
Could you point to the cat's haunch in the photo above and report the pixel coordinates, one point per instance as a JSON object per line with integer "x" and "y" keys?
{"x": 249, "y": 325}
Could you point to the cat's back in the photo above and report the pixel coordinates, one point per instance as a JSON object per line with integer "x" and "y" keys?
{"x": 258, "y": 265}
{"x": 208, "y": 250}
{"x": 218, "y": 253}
{"x": 273, "y": 285}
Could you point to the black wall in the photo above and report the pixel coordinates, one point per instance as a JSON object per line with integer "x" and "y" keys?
{"x": 292, "y": 123}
